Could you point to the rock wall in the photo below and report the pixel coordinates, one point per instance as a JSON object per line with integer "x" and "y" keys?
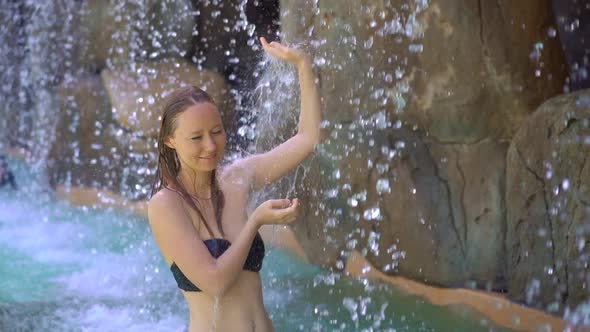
{"x": 421, "y": 100}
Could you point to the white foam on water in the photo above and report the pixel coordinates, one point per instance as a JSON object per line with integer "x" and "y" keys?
{"x": 116, "y": 286}
{"x": 100, "y": 317}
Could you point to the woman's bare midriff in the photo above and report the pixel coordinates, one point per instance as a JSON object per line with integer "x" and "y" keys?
{"x": 239, "y": 309}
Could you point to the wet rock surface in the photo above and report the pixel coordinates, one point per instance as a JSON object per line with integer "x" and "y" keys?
{"x": 138, "y": 96}
{"x": 471, "y": 68}
{"x": 547, "y": 204}
{"x": 87, "y": 150}
{"x": 472, "y": 83}
{"x": 115, "y": 33}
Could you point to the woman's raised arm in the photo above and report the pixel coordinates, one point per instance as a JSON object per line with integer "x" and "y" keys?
{"x": 272, "y": 165}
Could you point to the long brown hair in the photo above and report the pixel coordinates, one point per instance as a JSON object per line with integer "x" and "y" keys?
{"x": 169, "y": 163}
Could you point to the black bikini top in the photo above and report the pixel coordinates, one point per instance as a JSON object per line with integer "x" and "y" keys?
{"x": 217, "y": 247}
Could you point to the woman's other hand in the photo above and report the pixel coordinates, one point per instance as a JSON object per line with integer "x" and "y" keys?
{"x": 276, "y": 212}
{"x": 291, "y": 55}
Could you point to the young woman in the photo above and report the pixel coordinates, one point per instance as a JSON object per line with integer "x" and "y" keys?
{"x": 197, "y": 212}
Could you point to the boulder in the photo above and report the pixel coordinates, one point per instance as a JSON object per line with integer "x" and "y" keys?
{"x": 138, "y": 96}
{"x": 92, "y": 150}
{"x": 444, "y": 86}
{"x": 86, "y": 150}
{"x": 412, "y": 205}
{"x": 474, "y": 178}
{"x": 117, "y": 34}
{"x": 547, "y": 204}
{"x": 461, "y": 72}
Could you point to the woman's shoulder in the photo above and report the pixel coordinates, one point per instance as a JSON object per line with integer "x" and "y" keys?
{"x": 164, "y": 199}
{"x": 164, "y": 194}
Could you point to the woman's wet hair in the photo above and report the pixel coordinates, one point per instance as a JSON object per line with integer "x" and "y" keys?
{"x": 168, "y": 162}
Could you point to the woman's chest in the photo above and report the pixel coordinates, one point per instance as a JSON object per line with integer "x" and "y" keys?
{"x": 234, "y": 215}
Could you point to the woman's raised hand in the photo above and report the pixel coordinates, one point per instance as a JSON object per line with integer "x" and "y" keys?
{"x": 275, "y": 212}
{"x": 291, "y": 55}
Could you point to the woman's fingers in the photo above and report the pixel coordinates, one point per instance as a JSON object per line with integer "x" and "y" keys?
{"x": 275, "y": 49}
{"x": 279, "y": 211}
{"x": 289, "y": 214}
{"x": 279, "y": 203}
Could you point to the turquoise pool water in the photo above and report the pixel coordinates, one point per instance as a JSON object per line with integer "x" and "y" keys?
{"x": 65, "y": 268}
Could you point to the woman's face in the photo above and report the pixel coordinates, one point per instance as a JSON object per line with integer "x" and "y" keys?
{"x": 199, "y": 138}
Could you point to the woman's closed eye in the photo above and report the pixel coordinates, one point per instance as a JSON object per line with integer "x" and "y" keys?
{"x": 217, "y": 132}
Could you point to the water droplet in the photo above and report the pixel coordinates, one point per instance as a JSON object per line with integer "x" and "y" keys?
{"x": 581, "y": 244}
{"x": 369, "y": 43}
{"x": 532, "y": 290}
{"x": 573, "y": 26}
{"x": 320, "y": 61}
{"x": 250, "y": 30}
{"x": 549, "y": 174}
{"x": 331, "y": 222}
{"x": 565, "y": 184}
{"x": 416, "y": 48}
{"x": 352, "y": 307}
{"x": 536, "y": 53}
{"x": 382, "y": 186}
{"x": 372, "y": 213}
{"x": 351, "y": 244}
{"x": 382, "y": 168}
{"x": 381, "y": 120}
{"x": 373, "y": 242}
{"x": 336, "y": 174}
{"x": 243, "y": 130}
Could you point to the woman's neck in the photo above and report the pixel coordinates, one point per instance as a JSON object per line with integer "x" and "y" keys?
{"x": 196, "y": 183}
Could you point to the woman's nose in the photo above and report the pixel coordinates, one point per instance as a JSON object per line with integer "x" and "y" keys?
{"x": 210, "y": 144}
